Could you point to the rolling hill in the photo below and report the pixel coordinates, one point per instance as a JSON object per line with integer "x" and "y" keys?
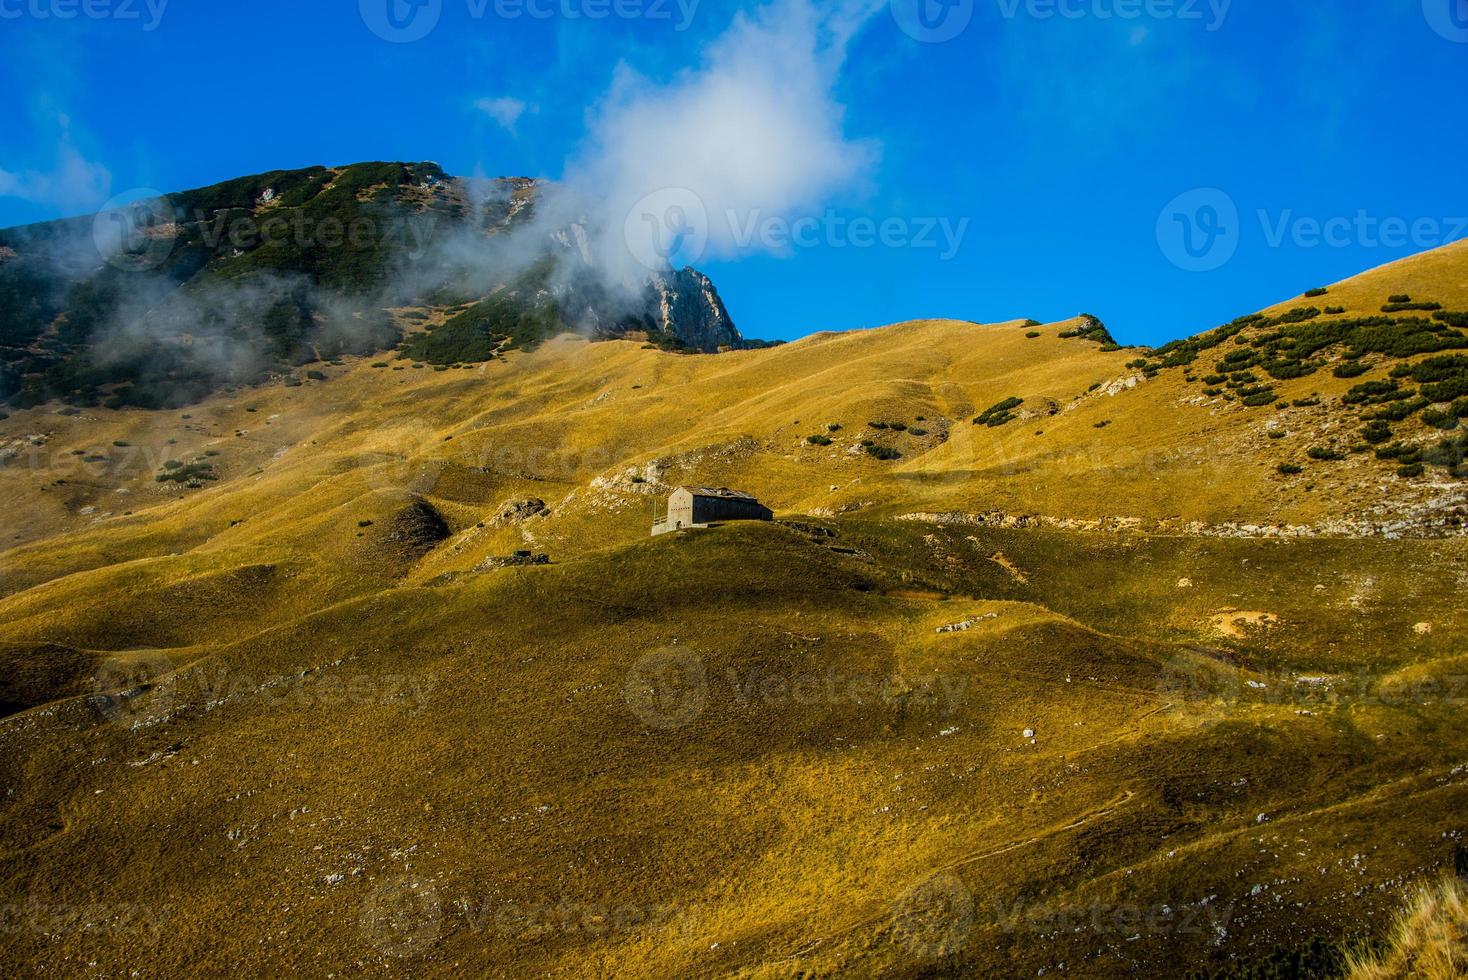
{"x": 1061, "y": 654}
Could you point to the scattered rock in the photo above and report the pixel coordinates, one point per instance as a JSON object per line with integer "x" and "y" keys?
{"x": 520, "y": 559}
{"x": 519, "y": 511}
{"x": 1235, "y": 623}
{"x": 966, "y": 625}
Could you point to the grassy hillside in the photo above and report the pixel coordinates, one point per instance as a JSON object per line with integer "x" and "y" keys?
{"x": 1048, "y": 664}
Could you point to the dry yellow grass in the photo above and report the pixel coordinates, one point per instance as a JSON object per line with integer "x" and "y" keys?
{"x": 1429, "y": 940}
{"x": 270, "y": 702}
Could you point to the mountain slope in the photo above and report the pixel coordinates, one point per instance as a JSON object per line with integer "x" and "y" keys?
{"x": 1049, "y": 664}
{"x": 161, "y": 302}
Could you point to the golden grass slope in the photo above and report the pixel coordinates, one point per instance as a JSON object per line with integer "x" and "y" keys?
{"x": 289, "y": 721}
{"x": 1429, "y": 940}
{"x": 745, "y": 752}
{"x": 598, "y": 430}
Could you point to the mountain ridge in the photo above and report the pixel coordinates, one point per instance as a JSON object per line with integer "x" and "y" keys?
{"x": 166, "y": 299}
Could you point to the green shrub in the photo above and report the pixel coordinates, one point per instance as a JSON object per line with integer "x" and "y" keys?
{"x": 1410, "y": 471}
{"x": 1446, "y": 391}
{"x": 1404, "y": 307}
{"x": 1289, "y": 469}
{"x": 878, "y": 425}
{"x": 1446, "y": 421}
{"x": 1460, "y": 408}
{"x": 1375, "y": 393}
{"x": 1288, "y": 370}
{"x": 315, "y": 376}
{"x": 191, "y": 473}
{"x": 1459, "y": 320}
{"x": 1215, "y": 379}
{"x": 917, "y": 432}
{"x": 1399, "y": 411}
{"x": 1351, "y": 369}
{"x": 1311, "y": 294}
{"x": 1447, "y": 452}
{"x": 1444, "y": 368}
{"x": 833, "y": 427}
{"x": 1334, "y": 310}
{"x": 1376, "y": 433}
{"x": 1000, "y": 414}
{"x": 1400, "y": 452}
{"x": 883, "y": 452}
{"x": 1032, "y": 335}
{"x": 1277, "y": 433}
{"x": 818, "y": 440}
{"x": 1259, "y": 398}
{"x": 1212, "y": 392}
{"x": 1399, "y": 298}
{"x": 1092, "y": 329}
{"x": 1298, "y": 315}
{"x": 1325, "y": 455}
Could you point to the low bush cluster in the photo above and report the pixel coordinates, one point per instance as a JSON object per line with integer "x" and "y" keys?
{"x": 1001, "y": 414}
{"x": 1375, "y": 393}
{"x": 1399, "y": 411}
{"x": 1091, "y": 329}
{"x": 1376, "y": 433}
{"x": 190, "y": 474}
{"x": 1443, "y": 379}
{"x": 1446, "y": 421}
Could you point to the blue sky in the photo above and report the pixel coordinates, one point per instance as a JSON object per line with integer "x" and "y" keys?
{"x": 1163, "y": 164}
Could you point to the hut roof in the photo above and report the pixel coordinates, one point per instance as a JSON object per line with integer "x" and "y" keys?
{"x": 722, "y": 493}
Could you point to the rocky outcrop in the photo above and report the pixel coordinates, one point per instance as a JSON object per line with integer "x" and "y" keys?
{"x": 520, "y": 511}
{"x": 685, "y": 305}
{"x": 1442, "y": 523}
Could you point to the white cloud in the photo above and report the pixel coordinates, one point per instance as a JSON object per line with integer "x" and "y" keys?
{"x": 505, "y": 110}
{"x": 72, "y": 183}
{"x": 755, "y": 128}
